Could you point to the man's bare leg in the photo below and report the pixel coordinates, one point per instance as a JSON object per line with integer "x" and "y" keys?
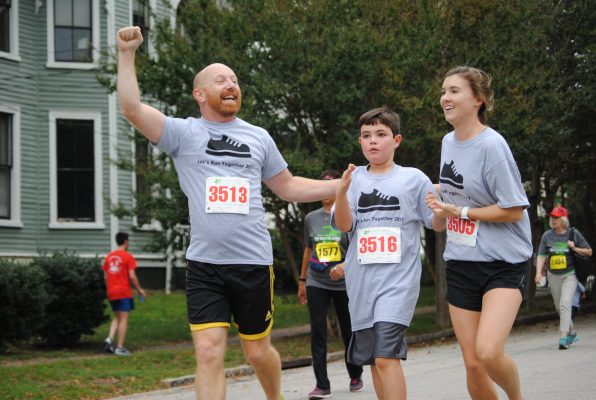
{"x": 265, "y": 360}
{"x": 122, "y": 318}
{"x": 210, "y": 349}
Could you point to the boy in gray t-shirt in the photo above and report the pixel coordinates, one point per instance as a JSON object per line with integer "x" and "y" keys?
{"x": 382, "y": 205}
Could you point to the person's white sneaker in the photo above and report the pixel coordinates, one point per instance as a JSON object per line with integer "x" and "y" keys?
{"x": 121, "y": 351}
{"x": 109, "y": 345}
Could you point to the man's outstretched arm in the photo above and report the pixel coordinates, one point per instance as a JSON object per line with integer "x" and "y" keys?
{"x": 148, "y": 120}
{"x": 302, "y": 190}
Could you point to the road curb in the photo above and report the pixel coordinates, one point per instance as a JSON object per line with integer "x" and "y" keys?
{"x": 339, "y": 355}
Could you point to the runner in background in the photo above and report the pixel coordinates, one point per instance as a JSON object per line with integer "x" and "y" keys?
{"x": 119, "y": 271}
{"x": 321, "y": 280}
{"x": 555, "y": 253}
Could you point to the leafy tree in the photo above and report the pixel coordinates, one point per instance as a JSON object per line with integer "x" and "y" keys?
{"x": 308, "y": 69}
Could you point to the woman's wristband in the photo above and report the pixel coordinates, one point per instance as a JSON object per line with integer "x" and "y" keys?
{"x": 464, "y": 213}
{"x": 302, "y": 279}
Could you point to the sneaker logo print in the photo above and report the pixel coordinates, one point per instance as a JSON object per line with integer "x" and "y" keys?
{"x": 377, "y": 201}
{"x": 450, "y": 176}
{"x": 227, "y": 147}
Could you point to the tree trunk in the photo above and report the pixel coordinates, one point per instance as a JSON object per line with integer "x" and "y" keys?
{"x": 535, "y": 224}
{"x": 442, "y": 309}
{"x": 290, "y": 258}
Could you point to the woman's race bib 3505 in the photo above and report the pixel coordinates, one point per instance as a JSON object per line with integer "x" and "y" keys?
{"x": 462, "y": 231}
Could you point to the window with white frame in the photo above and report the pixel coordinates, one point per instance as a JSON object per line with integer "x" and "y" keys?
{"x": 75, "y": 170}
{"x": 5, "y": 164}
{"x": 73, "y": 33}
{"x": 140, "y": 18}
{"x": 5, "y": 25}
{"x": 9, "y": 21}
{"x": 10, "y": 207}
{"x": 179, "y": 7}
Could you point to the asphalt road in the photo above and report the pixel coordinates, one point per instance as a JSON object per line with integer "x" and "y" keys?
{"x": 435, "y": 372}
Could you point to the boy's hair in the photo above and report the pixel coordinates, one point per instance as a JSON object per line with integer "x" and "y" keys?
{"x": 382, "y": 115}
{"x": 121, "y": 237}
{"x": 480, "y": 83}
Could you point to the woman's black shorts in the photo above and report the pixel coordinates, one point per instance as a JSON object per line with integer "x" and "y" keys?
{"x": 468, "y": 281}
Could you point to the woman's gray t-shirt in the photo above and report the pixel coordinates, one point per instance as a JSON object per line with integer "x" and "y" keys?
{"x": 330, "y": 243}
{"x": 555, "y": 246}
{"x": 477, "y": 173}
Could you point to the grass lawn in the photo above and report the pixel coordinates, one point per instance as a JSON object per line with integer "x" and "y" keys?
{"x": 160, "y": 341}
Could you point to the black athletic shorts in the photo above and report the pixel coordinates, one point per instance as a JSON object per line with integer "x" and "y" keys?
{"x": 468, "y": 281}
{"x": 215, "y": 293}
{"x": 383, "y": 340}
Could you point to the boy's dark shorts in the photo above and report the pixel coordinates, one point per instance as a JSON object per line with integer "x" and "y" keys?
{"x": 383, "y": 340}
{"x": 468, "y": 281}
{"x": 123, "y": 305}
{"x": 215, "y": 293}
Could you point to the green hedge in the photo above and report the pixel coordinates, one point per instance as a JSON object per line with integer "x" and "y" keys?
{"x": 56, "y": 297}
{"x": 23, "y": 299}
{"x": 77, "y": 300}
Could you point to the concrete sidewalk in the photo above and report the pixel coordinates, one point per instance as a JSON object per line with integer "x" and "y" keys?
{"x": 279, "y": 334}
{"x": 436, "y": 372}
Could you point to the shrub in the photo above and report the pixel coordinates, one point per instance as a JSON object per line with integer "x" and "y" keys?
{"x": 77, "y": 302}
{"x": 23, "y": 299}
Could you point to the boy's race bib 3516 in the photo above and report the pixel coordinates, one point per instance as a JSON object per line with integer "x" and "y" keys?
{"x": 379, "y": 245}
{"x": 230, "y": 195}
{"x": 462, "y": 231}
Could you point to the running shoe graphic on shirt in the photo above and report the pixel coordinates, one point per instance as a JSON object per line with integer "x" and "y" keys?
{"x": 227, "y": 147}
{"x": 450, "y": 176}
{"x": 377, "y": 201}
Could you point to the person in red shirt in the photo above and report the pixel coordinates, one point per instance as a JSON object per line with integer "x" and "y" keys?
{"x": 119, "y": 271}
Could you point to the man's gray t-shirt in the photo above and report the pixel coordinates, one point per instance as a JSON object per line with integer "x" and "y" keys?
{"x": 327, "y": 242}
{"x": 380, "y": 203}
{"x": 556, "y": 249}
{"x": 220, "y": 167}
{"x": 481, "y": 172}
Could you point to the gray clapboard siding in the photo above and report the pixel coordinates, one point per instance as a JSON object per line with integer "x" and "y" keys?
{"x": 38, "y": 90}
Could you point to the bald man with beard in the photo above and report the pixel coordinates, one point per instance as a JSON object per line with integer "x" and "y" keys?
{"x": 221, "y": 161}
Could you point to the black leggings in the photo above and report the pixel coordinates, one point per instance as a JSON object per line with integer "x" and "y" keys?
{"x": 318, "y": 304}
